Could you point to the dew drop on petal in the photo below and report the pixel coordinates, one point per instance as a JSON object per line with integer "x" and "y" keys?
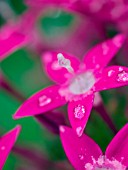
{"x": 55, "y": 66}
{"x": 105, "y": 48}
{"x": 3, "y": 148}
{"x": 110, "y": 73}
{"x": 97, "y": 66}
{"x": 44, "y": 100}
{"x": 81, "y": 157}
{"x": 62, "y": 129}
{"x": 120, "y": 69}
{"x": 79, "y": 111}
{"x": 79, "y": 131}
{"x": 122, "y": 76}
{"x": 117, "y": 41}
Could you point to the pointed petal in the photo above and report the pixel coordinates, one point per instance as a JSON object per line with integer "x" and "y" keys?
{"x": 55, "y": 72}
{"x": 118, "y": 147}
{"x": 79, "y": 112}
{"x": 99, "y": 56}
{"x": 78, "y": 150}
{"x": 6, "y": 143}
{"x": 11, "y": 43}
{"x": 40, "y": 102}
{"x": 112, "y": 77}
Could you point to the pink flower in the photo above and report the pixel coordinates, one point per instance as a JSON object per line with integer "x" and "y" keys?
{"x": 77, "y": 82}
{"x": 6, "y": 143}
{"x": 85, "y": 154}
{"x": 10, "y": 40}
{"x": 111, "y": 10}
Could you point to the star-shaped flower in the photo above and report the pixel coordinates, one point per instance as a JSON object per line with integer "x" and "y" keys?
{"x": 85, "y": 154}
{"x": 6, "y": 143}
{"x": 77, "y": 82}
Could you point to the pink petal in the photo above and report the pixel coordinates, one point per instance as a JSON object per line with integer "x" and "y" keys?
{"x": 11, "y": 43}
{"x": 40, "y": 102}
{"x": 118, "y": 147}
{"x": 6, "y": 143}
{"x": 79, "y": 112}
{"x": 112, "y": 77}
{"x": 55, "y": 72}
{"x": 78, "y": 150}
{"x": 100, "y": 55}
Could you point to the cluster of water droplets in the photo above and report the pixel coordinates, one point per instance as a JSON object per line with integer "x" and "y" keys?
{"x": 104, "y": 163}
{"x": 79, "y": 111}
{"x": 122, "y": 76}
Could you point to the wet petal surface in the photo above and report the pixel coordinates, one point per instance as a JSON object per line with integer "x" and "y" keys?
{"x": 118, "y": 147}
{"x": 112, "y": 77}
{"x": 78, "y": 150}
{"x": 100, "y": 55}
{"x": 79, "y": 112}
{"x": 41, "y": 102}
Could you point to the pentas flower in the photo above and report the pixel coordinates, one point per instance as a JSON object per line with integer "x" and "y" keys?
{"x": 110, "y": 10}
{"x": 6, "y": 143}
{"x": 85, "y": 154}
{"x": 10, "y": 40}
{"x": 77, "y": 82}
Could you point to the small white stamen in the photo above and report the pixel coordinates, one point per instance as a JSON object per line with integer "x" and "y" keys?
{"x": 63, "y": 62}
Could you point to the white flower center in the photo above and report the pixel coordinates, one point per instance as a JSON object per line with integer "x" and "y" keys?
{"x": 104, "y": 163}
{"x": 82, "y": 83}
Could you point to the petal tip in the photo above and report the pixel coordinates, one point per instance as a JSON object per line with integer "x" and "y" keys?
{"x": 119, "y": 39}
{"x": 62, "y": 129}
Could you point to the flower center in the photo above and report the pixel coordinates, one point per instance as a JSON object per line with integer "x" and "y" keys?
{"x": 82, "y": 83}
{"x": 104, "y": 163}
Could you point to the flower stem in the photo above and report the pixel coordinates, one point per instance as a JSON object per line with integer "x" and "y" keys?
{"x": 4, "y": 84}
{"x": 46, "y": 119}
{"x": 105, "y": 116}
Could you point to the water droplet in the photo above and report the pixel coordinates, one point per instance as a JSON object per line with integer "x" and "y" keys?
{"x": 79, "y": 111}
{"x": 117, "y": 41}
{"x": 120, "y": 68}
{"x": 81, "y": 157}
{"x": 55, "y": 66}
{"x": 44, "y": 100}
{"x": 3, "y": 148}
{"x": 122, "y": 76}
{"x": 110, "y": 73}
{"x": 62, "y": 129}
{"x": 79, "y": 131}
{"x": 97, "y": 66}
{"x": 105, "y": 48}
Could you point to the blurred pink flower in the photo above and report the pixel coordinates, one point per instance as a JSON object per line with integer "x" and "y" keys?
{"x": 103, "y": 10}
{"x": 77, "y": 82}
{"x": 6, "y": 143}
{"x": 85, "y": 154}
{"x": 10, "y": 40}
{"x": 75, "y": 33}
